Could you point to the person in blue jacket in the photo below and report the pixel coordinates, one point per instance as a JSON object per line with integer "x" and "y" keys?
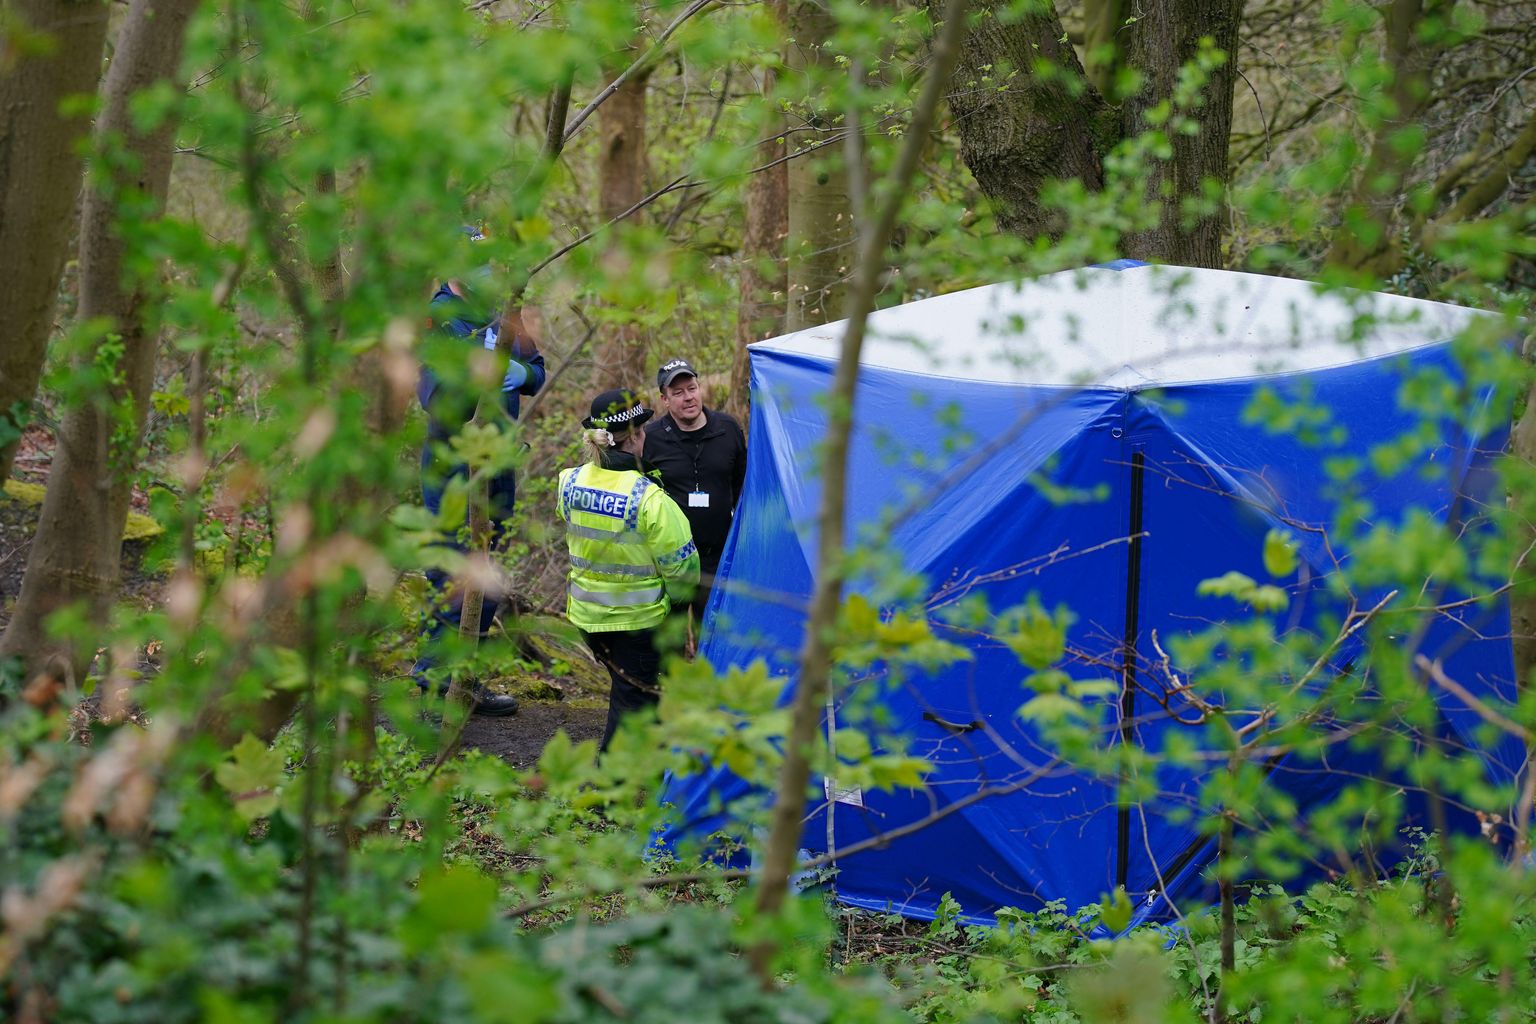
{"x": 458, "y": 312}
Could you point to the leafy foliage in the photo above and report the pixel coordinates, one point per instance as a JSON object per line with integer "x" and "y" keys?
{"x": 168, "y": 854}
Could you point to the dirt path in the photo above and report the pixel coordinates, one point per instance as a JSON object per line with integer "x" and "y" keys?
{"x": 559, "y": 686}
{"x": 519, "y": 739}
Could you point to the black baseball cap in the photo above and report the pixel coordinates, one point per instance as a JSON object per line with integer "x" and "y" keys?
{"x": 671, "y": 370}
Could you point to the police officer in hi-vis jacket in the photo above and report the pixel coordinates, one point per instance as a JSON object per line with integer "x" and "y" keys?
{"x": 631, "y": 550}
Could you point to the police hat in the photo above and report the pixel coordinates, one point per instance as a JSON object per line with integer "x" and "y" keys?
{"x": 620, "y": 407}
{"x": 672, "y": 370}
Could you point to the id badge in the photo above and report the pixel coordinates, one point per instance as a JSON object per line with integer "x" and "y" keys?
{"x": 698, "y": 499}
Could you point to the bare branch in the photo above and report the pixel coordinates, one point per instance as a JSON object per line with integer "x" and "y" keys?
{"x": 1436, "y": 671}
{"x": 1493, "y": 184}
{"x": 643, "y": 63}
{"x": 675, "y": 185}
{"x": 671, "y": 186}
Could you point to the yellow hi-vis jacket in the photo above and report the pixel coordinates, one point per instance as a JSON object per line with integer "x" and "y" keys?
{"x": 632, "y": 553}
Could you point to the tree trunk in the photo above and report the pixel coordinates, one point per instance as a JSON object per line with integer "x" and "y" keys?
{"x": 1367, "y": 238}
{"x": 621, "y": 184}
{"x": 39, "y": 180}
{"x": 77, "y": 552}
{"x": 1522, "y": 604}
{"x": 760, "y": 313}
{"x": 820, "y": 209}
{"x": 1104, "y": 25}
{"x": 1037, "y": 129}
{"x": 1017, "y": 134}
{"x": 1227, "y": 896}
{"x": 1188, "y": 190}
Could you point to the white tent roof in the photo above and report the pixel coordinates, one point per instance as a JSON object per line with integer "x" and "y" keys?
{"x": 1137, "y": 326}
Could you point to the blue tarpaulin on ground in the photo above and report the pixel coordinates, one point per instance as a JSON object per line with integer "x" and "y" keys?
{"x": 1096, "y": 438}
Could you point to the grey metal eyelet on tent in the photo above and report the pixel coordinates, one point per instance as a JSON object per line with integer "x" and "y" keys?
{"x": 1115, "y": 432}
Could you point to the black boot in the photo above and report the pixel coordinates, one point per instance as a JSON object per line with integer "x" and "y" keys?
{"x": 491, "y": 704}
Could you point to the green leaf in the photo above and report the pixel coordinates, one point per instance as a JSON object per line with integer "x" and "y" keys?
{"x": 1037, "y": 637}
{"x": 1050, "y": 707}
{"x": 899, "y": 772}
{"x": 859, "y": 617}
{"x": 850, "y": 745}
{"x": 1115, "y": 910}
{"x": 1279, "y": 553}
{"x": 1269, "y": 599}
{"x": 505, "y": 989}
{"x": 903, "y": 631}
{"x": 412, "y": 518}
{"x": 252, "y": 777}
{"x": 454, "y": 900}
{"x": 484, "y": 447}
{"x": 564, "y": 763}
{"x": 1052, "y": 680}
{"x": 1230, "y": 584}
{"x": 1083, "y": 689}
{"x": 455, "y": 505}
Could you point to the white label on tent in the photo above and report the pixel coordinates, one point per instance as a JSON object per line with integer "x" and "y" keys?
{"x": 852, "y": 795}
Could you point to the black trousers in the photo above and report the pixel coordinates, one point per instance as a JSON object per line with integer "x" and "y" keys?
{"x": 634, "y": 667}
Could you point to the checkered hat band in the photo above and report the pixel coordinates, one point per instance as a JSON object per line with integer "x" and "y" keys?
{"x": 623, "y": 417}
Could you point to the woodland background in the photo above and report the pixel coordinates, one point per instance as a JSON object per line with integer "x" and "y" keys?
{"x": 219, "y": 226}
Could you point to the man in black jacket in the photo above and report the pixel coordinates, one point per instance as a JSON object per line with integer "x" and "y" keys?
{"x": 702, "y": 457}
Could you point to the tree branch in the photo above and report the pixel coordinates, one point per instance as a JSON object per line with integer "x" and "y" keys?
{"x": 675, "y": 185}
{"x": 554, "y": 119}
{"x": 641, "y": 64}
{"x": 1492, "y": 185}
{"x": 1436, "y": 671}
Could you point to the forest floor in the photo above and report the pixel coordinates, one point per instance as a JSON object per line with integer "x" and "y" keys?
{"x": 569, "y": 691}
{"x": 18, "y": 520}
{"x": 564, "y": 689}
{"x": 519, "y": 739}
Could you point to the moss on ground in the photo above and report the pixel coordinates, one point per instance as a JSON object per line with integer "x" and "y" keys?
{"x": 140, "y": 527}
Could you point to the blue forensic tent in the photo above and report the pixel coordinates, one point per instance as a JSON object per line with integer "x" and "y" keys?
{"x": 1089, "y": 436}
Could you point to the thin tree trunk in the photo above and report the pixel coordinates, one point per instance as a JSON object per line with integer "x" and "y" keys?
{"x": 815, "y": 657}
{"x": 1367, "y": 238}
{"x": 760, "y": 313}
{"x": 77, "y": 551}
{"x": 621, "y": 184}
{"x": 1162, "y": 43}
{"x": 1227, "y": 895}
{"x": 820, "y": 209}
{"x": 1104, "y": 26}
{"x": 39, "y": 181}
{"x": 1522, "y": 613}
{"x": 1522, "y": 605}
